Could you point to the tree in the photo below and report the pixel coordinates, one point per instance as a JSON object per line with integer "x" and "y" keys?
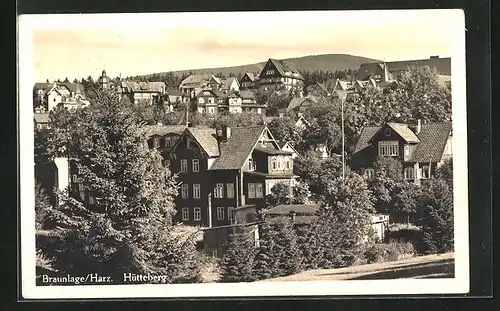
{"x": 288, "y": 255}
{"x": 317, "y": 172}
{"x": 282, "y": 194}
{"x": 445, "y": 172}
{"x": 128, "y": 228}
{"x": 238, "y": 258}
{"x": 435, "y": 216}
{"x": 284, "y": 130}
{"x": 385, "y": 182}
{"x": 265, "y": 265}
{"x": 42, "y": 207}
{"x": 309, "y": 245}
{"x": 344, "y": 222}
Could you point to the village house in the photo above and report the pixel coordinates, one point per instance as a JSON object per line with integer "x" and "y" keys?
{"x": 47, "y": 96}
{"x": 387, "y": 71}
{"x": 249, "y": 81}
{"x": 163, "y": 138}
{"x": 280, "y": 73}
{"x": 230, "y": 84}
{"x": 318, "y": 90}
{"x": 208, "y": 100}
{"x": 192, "y": 83}
{"x": 143, "y": 92}
{"x": 226, "y": 174}
{"x": 299, "y": 105}
{"x": 42, "y": 120}
{"x": 420, "y": 149}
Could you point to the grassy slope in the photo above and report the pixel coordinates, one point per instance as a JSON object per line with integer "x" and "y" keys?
{"x": 312, "y": 62}
{"x": 431, "y": 266}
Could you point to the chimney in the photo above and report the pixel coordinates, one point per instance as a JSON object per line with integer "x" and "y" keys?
{"x": 419, "y": 127}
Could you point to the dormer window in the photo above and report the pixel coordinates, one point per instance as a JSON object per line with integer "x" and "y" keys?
{"x": 388, "y": 148}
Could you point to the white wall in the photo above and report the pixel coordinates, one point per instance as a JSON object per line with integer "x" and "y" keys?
{"x": 63, "y": 175}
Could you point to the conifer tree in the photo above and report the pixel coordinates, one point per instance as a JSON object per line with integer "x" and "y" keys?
{"x": 128, "y": 227}
{"x": 265, "y": 262}
{"x": 237, "y": 261}
{"x": 310, "y": 246}
{"x": 287, "y": 252}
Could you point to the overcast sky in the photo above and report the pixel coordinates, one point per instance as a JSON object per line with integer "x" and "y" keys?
{"x": 130, "y": 44}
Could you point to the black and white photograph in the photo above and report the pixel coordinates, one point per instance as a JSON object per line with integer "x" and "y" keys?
{"x": 243, "y": 154}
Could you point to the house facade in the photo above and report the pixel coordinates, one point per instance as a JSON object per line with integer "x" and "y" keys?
{"x": 421, "y": 149}
{"x": 280, "y": 73}
{"x": 143, "y": 92}
{"x": 192, "y": 83}
{"x": 226, "y": 174}
{"x": 42, "y": 120}
{"x": 47, "y": 96}
{"x": 249, "y": 81}
{"x": 301, "y": 104}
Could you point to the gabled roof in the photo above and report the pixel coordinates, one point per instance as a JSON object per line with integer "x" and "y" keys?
{"x": 286, "y": 68}
{"x": 195, "y": 80}
{"x": 433, "y": 138}
{"x": 205, "y": 137}
{"x": 42, "y": 117}
{"x": 132, "y": 86}
{"x": 298, "y": 101}
{"x": 42, "y": 86}
{"x": 226, "y": 83}
{"x": 321, "y": 86}
{"x": 251, "y": 76}
{"x": 402, "y": 130}
{"x": 238, "y": 147}
{"x": 162, "y": 130}
{"x": 285, "y": 209}
{"x": 442, "y": 66}
{"x": 364, "y": 138}
{"x": 74, "y": 87}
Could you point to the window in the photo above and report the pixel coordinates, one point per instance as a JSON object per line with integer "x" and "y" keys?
{"x": 39, "y": 126}
{"x": 258, "y": 191}
{"x": 185, "y": 213}
{"x": 91, "y": 200}
{"x": 273, "y": 163}
{"x": 230, "y": 214}
{"x": 75, "y": 178}
{"x": 197, "y": 213}
{"x": 288, "y": 164}
{"x": 196, "y": 191}
{"x": 251, "y": 165}
{"x": 408, "y": 173}
{"x": 81, "y": 187}
{"x": 184, "y": 191}
{"x": 388, "y": 148}
{"x": 211, "y": 110}
{"x": 169, "y": 142}
{"x": 219, "y": 191}
{"x": 220, "y": 213}
{"x": 407, "y": 151}
{"x": 425, "y": 171}
{"x": 279, "y": 164}
{"x": 269, "y": 72}
{"x": 230, "y": 190}
{"x": 184, "y": 165}
{"x": 251, "y": 191}
{"x": 369, "y": 172}
{"x": 156, "y": 142}
{"x": 196, "y": 165}
{"x": 82, "y": 195}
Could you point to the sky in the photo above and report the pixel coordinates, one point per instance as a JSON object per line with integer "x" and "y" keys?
{"x": 76, "y": 46}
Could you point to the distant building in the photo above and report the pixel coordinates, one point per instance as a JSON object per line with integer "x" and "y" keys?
{"x": 230, "y": 84}
{"x": 301, "y": 104}
{"x": 200, "y": 81}
{"x": 42, "y": 120}
{"x": 226, "y": 174}
{"x": 420, "y": 149}
{"x": 280, "y": 73}
{"x": 249, "y": 81}
{"x": 318, "y": 90}
{"x": 104, "y": 81}
{"x": 146, "y": 92}
{"x": 47, "y": 96}
{"x": 386, "y": 71}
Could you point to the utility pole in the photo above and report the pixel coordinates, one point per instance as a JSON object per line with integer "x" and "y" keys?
{"x": 187, "y": 114}
{"x": 343, "y": 142}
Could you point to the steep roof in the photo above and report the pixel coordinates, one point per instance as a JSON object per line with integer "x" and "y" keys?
{"x": 404, "y": 131}
{"x": 298, "y": 101}
{"x": 286, "y": 68}
{"x": 74, "y": 87}
{"x": 132, "y": 86}
{"x": 442, "y": 66}
{"x": 318, "y": 84}
{"x": 205, "y": 137}
{"x": 238, "y": 147}
{"x": 433, "y": 138}
{"x": 251, "y": 76}
{"x": 162, "y": 130}
{"x": 285, "y": 209}
{"x": 226, "y": 83}
{"x": 42, "y": 117}
{"x": 364, "y": 138}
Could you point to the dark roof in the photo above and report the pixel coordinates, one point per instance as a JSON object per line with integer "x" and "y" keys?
{"x": 41, "y": 117}
{"x": 284, "y": 66}
{"x": 74, "y": 87}
{"x": 162, "y": 130}
{"x": 320, "y": 85}
{"x": 285, "y": 209}
{"x": 238, "y": 147}
{"x": 366, "y": 134}
{"x": 271, "y": 150}
{"x": 42, "y": 86}
{"x": 298, "y": 101}
{"x": 205, "y": 137}
{"x": 433, "y": 138}
{"x": 132, "y": 86}
{"x": 442, "y": 66}
{"x": 252, "y": 76}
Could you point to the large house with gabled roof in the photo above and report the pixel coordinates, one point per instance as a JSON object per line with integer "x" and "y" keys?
{"x": 47, "y": 96}
{"x": 225, "y": 174}
{"x": 280, "y": 73}
{"x": 420, "y": 149}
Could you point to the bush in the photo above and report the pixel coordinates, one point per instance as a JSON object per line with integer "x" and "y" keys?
{"x": 389, "y": 252}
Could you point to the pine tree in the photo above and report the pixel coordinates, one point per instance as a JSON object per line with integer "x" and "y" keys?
{"x": 308, "y": 243}
{"x": 265, "y": 262}
{"x": 238, "y": 258}
{"x": 128, "y": 228}
{"x": 287, "y": 252}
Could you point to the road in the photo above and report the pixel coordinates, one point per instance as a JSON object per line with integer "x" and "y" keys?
{"x": 431, "y": 266}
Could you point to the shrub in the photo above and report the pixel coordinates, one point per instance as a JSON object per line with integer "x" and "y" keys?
{"x": 237, "y": 262}
{"x": 389, "y": 252}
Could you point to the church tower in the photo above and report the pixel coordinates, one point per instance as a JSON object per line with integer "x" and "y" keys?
{"x": 104, "y": 80}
